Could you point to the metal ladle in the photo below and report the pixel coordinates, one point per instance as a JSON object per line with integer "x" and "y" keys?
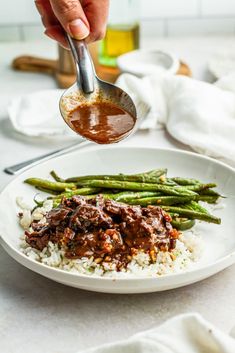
{"x": 89, "y": 87}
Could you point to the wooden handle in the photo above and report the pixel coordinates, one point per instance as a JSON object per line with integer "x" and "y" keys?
{"x": 63, "y": 70}
{"x": 34, "y": 64}
{"x": 184, "y": 70}
{"x": 65, "y": 80}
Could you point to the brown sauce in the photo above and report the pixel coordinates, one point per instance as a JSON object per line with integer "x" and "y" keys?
{"x": 104, "y": 229}
{"x": 101, "y": 122}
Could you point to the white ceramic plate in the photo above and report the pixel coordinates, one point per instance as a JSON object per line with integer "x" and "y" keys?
{"x": 219, "y": 241}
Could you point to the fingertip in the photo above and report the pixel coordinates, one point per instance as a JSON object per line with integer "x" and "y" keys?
{"x": 78, "y": 29}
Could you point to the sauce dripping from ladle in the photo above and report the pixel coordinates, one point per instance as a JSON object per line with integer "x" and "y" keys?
{"x": 107, "y": 120}
{"x": 101, "y": 122}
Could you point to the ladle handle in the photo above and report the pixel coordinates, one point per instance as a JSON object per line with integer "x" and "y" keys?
{"x": 84, "y": 64}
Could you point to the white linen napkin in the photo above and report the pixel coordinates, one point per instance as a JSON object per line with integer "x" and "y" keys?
{"x": 187, "y": 333}
{"x": 196, "y": 113}
{"x": 38, "y": 114}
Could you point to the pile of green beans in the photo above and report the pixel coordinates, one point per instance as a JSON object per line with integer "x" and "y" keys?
{"x": 179, "y": 197}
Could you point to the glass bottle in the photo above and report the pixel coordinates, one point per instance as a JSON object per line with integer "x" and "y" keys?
{"x": 122, "y": 33}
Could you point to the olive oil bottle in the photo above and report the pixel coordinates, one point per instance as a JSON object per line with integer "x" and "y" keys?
{"x": 122, "y": 33}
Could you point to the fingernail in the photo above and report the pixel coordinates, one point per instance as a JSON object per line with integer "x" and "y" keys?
{"x": 78, "y": 29}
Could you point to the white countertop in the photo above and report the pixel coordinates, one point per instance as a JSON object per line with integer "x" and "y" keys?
{"x": 38, "y": 315}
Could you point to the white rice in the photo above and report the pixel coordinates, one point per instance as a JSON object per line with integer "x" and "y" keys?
{"x": 187, "y": 251}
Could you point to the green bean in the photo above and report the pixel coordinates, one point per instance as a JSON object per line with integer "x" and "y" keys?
{"x": 183, "y": 224}
{"x": 161, "y": 200}
{"x": 191, "y": 214}
{"x": 38, "y": 203}
{"x": 56, "y": 203}
{"x": 185, "y": 181}
{"x": 50, "y": 185}
{"x": 208, "y": 199}
{"x": 81, "y": 192}
{"x": 125, "y": 185}
{"x": 127, "y": 196}
{"x": 56, "y": 177}
{"x": 195, "y": 207}
{"x": 148, "y": 177}
{"x": 200, "y": 187}
{"x": 209, "y": 192}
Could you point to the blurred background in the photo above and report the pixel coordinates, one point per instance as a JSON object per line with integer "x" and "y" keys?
{"x": 19, "y": 20}
{"x": 194, "y": 38}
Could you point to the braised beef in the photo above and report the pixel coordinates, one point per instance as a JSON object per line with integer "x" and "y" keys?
{"x": 104, "y": 229}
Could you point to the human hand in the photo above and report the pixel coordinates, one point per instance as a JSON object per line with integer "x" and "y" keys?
{"x": 82, "y": 19}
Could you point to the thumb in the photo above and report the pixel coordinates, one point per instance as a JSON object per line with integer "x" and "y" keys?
{"x": 71, "y": 16}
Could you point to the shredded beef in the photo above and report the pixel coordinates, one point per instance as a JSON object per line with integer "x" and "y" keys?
{"x": 104, "y": 229}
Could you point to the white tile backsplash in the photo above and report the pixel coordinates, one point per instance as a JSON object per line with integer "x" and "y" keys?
{"x": 19, "y": 19}
{"x": 31, "y": 32}
{"x": 152, "y": 28}
{"x": 218, "y": 7}
{"x": 18, "y": 12}
{"x": 10, "y": 33}
{"x": 169, "y": 8}
{"x": 200, "y": 26}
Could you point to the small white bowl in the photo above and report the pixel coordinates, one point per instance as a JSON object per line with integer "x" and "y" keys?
{"x": 147, "y": 62}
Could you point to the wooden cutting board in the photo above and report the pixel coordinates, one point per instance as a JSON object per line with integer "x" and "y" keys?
{"x": 64, "y": 71}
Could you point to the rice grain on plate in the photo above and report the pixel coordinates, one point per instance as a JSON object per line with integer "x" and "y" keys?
{"x": 187, "y": 250}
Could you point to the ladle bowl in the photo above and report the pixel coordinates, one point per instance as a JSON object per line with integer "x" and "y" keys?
{"x": 89, "y": 88}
